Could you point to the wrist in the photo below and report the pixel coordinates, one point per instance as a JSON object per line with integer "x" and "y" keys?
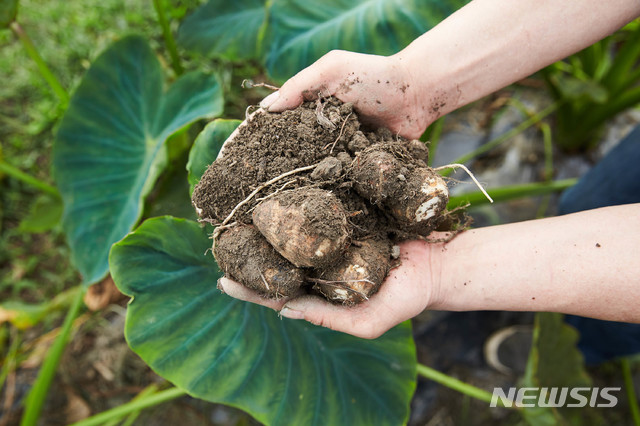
{"x": 432, "y": 85}
{"x": 435, "y": 294}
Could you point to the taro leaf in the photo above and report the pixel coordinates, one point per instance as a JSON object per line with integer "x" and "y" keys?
{"x": 206, "y": 147}
{"x": 224, "y": 350}
{"x": 224, "y": 28}
{"x": 302, "y": 31}
{"x": 554, "y": 361}
{"x": 109, "y": 148}
{"x": 8, "y": 12}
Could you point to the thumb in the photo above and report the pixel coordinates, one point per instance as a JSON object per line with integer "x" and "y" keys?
{"x": 352, "y": 320}
{"x": 309, "y": 84}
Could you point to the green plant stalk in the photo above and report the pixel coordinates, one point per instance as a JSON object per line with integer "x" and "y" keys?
{"x": 589, "y": 121}
{"x": 131, "y": 417}
{"x": 168, "y": 38}
{"x": 9, "y": 363}
{"x": 132, "y": 406}
{"x": 27, "y": 178}
{"x": 38, "y": 393}
{"x": 504, "y": 137}
{"x": 548, "y": 165}
{"x": 45, "y": 72}
{"x": 434, "y": 137}
{"x": 617, "y": 76}
{"x": 620, "y": 102}
{"x": 631, "y": 392}
{"x": 512, "y": 192}
{"x": 548, "y": 151}
{"x": 456, "y": 384}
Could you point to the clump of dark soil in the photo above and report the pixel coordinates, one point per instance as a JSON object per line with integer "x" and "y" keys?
{"x": 311, "y": 200}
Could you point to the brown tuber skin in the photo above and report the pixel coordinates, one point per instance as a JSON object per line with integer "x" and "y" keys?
{"x": 358, "y": 275}
{"x": 244, "y": 255}
{"x": 306, "y": 226}
{"x": 426, "y": 197}
{"x": 416, "y": 196}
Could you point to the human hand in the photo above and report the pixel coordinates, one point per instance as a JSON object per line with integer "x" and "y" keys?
{"x": 408, "y": 290}
{"x": 380, "y": 88}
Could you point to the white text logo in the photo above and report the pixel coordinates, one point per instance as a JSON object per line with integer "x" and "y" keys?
{"x": 555, "y": 397}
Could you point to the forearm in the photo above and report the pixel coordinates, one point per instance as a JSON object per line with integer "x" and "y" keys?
{"x": 585, "y": 264}
{"x": 489, "y": 44}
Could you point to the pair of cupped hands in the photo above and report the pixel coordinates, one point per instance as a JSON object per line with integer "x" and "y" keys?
{"x": 382, "y": 92}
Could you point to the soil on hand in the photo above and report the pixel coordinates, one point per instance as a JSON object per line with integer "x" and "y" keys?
{"x": 334, "y": 197}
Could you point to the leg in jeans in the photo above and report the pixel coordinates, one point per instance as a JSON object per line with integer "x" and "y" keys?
{"x": 613, "y": 181}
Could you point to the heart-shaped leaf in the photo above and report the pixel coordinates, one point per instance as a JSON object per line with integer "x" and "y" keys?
{"x": 300, "y": 31}
{"x": 224, "y": 350}
{"x": 109, "y": 148}
{"x": 303, "y": 31}
{"x": 224, "y": 28}
{"x": 206, "y": 147}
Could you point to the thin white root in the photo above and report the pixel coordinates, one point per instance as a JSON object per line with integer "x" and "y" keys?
{"x": 322, "y": 119}
{"x": 248, "y": 84}
{"x": 277, "y": 191}
{"x": 248, "y": 112}
{"x": 463, "y": 167}
{"x": 216, "y": 233}
{"x": 264, "y": 280}
{"x": 264, "y": 185}
{"x": 223, "y": 226}
{"x": 339, "y": 135}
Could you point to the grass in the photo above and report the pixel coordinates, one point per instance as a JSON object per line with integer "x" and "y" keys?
{"x": 68, "y": 36}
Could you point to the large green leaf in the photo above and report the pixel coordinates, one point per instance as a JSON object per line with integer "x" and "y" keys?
{"x": 206, "y": 147}
{"x": 302, "y": 31}
{"x": 109, "y": 147}
{"x": 224, "y": 28}
{"x": 224, "y": 350}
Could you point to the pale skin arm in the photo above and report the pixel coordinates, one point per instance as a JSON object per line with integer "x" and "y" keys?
{"x": 584, "y": 264}
{"x": 486, "y": 45}
{"x": 547, "y": 265}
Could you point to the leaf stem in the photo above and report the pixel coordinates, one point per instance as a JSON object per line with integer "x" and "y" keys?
{"x": 9, "y": 364}
{"x": 511, "y": 192}
{"x": 135, "y": 405}
{"x": 455, "y": 384}
{"x": 505, "y": 136}
{"x": 631, "y": 392}
{"x": 433, "y": 134}
{"x": 168, "y": 38}
{"x": 45, "y": 72}
{"x": 38, "y": 393}
{"x": 27, "y": 178}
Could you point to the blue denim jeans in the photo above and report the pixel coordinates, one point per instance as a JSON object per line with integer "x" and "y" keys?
{"x": 615, "y": 180}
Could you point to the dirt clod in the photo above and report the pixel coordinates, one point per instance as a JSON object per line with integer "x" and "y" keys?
{"x": 330, "y": 226}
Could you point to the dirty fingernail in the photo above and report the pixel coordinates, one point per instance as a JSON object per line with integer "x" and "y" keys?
{"x": 269, "y": 100}
{"x": 291, "y": 313}
{"x": 221, "y": 282}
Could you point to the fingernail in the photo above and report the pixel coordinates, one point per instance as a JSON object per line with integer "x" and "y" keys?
{"x": 291, "y": 313}
{"x": 220, "y": 284}
{"x": 269, "y": 100}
